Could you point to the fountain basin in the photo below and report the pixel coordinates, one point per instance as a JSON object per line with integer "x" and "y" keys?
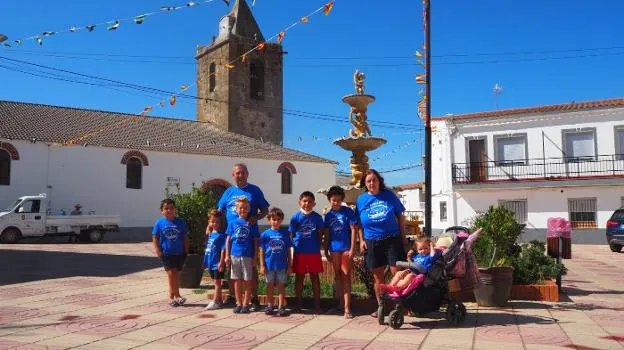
{"x": 360, "y": 102}
{"x": 360, "y": 144}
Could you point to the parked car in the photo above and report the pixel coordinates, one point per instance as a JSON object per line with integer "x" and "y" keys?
{"x": 615, "y": 230}
{"x": 28, "y": 217}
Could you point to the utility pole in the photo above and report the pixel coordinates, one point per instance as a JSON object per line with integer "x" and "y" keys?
{"x": 427, "y": 118}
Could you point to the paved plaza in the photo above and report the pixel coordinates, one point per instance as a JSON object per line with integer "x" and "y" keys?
{"x": 56, "y": 295}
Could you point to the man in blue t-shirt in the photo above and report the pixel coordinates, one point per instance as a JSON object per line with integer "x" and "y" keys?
{"x": 258, "y": 209}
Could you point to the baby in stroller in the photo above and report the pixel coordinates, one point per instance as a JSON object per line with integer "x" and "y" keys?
{"x": 426, "y": 257}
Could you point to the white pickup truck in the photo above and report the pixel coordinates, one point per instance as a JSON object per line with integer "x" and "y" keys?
{"x": 27, "y": 217}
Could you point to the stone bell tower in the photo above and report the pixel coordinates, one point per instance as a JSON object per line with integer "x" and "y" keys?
{"x": 247, "y": 98}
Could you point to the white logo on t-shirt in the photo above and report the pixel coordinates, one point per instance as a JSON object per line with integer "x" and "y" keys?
{"x": 171, "y": 233}
{"x": 276, "y": 245}
{"x": 306, "y": 230}
{"x": 241, "y": 233}
{"x": 378, "y": 211}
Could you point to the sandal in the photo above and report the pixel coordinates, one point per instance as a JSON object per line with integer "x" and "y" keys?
{"x": 348, "y": 315}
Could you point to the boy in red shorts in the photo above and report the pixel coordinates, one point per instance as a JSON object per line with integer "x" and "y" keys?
{"x": 306, "y": 228}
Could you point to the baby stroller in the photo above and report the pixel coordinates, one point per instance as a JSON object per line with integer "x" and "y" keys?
{"x": 441, "y": 278}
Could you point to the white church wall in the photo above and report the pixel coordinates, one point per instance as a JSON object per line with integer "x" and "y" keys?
{"x": 95, "y": 178}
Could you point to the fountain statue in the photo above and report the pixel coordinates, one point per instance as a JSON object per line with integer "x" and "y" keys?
{"x": 360, "y": 139}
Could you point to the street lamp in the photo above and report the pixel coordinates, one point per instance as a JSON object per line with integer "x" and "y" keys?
{"x": 3, "y": 37}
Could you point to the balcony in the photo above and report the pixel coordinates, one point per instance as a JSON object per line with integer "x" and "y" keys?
{"x": 606, "y": 167}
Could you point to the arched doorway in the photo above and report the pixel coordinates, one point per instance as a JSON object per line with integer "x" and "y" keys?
{"x": 216, "y": 187}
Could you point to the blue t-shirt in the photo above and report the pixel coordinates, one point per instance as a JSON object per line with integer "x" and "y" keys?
{"x": 426, "y": 260}
{"x": 214, "y": 247}
{"x": 378, "y": 214}
{"x": 307, "y": 230}
{"x": 242, "y": 236}
{"x": 254, "y": 195}
{"x": 170, "y": 235}
{"x": 276, "y": 246}
{"x": 339, "y": 225}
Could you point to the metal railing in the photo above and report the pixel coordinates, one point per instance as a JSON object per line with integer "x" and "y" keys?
{"x": 414, "y": 215}
{"x": 539, "y": 169}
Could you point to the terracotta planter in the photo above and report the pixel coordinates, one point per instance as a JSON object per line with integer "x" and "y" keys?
{"x": 539, "y": 292}
{"x": 192, "y": 272}
{"x": 496, "y": 286}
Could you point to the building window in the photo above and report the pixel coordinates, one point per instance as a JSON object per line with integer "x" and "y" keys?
{"x": 5, "y": 168}
{"x": 518, "y": 207}
{"x": 134, "y": 173}
{"x": 582, "y": 212}
{"x": 286, "y": 169}
{"x": 579, "y": 145}
{"x": 510, "y": 150}
{"x": 216, "y": 187}
{"x": 443, "y": 211}
{"x": 619, "y": 143}
{"x": 256, "y": 80}
{"x": 212, "y": 81}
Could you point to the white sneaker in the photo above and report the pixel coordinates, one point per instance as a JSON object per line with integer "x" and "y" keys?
{"x": 214, "y": 305}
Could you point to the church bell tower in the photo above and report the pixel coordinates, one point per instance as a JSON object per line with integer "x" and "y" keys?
{"x": 247, "y": 98}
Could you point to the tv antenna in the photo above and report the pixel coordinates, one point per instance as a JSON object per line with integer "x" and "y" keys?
{"x": 498, "y": 89}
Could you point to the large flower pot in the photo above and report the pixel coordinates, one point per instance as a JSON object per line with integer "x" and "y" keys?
{"x": 495, "y": 286}
{"x": 192, "y": 272}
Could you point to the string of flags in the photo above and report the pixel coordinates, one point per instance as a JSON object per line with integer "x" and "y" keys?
{"x": 109, "y": 25}
{"x": 421, "y": 78}
{"x": 387, "y": 169}
{"x": 325, "y": 9}
{"x": 395, "y": 150}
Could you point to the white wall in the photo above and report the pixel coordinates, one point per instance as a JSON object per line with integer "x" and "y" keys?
{"x": 95, "y": 178}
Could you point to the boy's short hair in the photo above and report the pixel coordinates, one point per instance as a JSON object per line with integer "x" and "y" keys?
{"x": 214, "y": 213}
{"x": 242, "y": 200}
{"x": 166, "y": 201}
{"x": 307, "y": 194}
{"x": 276, "y": 213}
{"x": 335, "y": 191}
{"x": 420, "y": 239}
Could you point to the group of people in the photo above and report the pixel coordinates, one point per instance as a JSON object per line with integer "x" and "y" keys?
{"x": 235, "y": 244}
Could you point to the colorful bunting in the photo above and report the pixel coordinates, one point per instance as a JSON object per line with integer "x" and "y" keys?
{"x": 227, "y": 2}
{"x": 139, "y": 19}
{"x": 328, "y": 8}
{"x": 260, "y": 46}
{"x": 229, "y": 66}
{"x": 73, "y": 29}
{"x": 18, "y": 42}
{"x": 113, "y": 26}
{"x": 304, "y": 20}
{"x": 39, "y": 40}
{"x": 172, "y": 101}
{"x": 418, "y": 54}
{"x": 192, "y": 3}
{"x": 280, "y": 37}
{"x": 161, "y": 103}
{"x": 48, "y": 33}
{"x": 184, "y": 87}
{"x": 90, "y": 27}
{"x": 243, "y": 60}
{"x": 167, "y": 8}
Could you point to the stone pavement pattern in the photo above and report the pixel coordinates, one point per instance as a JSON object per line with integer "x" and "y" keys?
{"x": 112, "y": 296}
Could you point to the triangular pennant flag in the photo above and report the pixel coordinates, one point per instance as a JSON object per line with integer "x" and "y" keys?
{"x": 161, "y": 103}
{"x": 172, "y": 101}
{"x": 192, "y": 3}
{"x": 73, "y": 29}
{"x": 418, "y": 54}
{"x": 421, "y": 82}
{"x": 90, "y": 27}
{"x": 253, "y": 3}
{"x": 146, "y": 110}
{"x": 139, "y": 19}
{"x": 243, "y": 58}
{"x": 167, "y": 8}
{"x": 420, "y": 62}
{"x": 18, "y": 42}
{"x": 48, "y": 33}
{"x": 328, "y": 7}
{"x": 421, "y": 91}
{"x": 420, "y": 76}
{"x": 260, "y": 46}
{"x": 229, "y": 66}
{"x": 39, "y": 40}
{"x": 304, "y": 20}
{"x": 227, "y": 2}
{"x": 7, "y": 45}
{"x": 184, "y": 87}
{"x": 113, "y": 26}
{"x": 280, "y": 37}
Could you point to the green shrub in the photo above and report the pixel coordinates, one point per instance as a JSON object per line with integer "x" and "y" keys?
{"x": 497, "y": 242}
{"x": 533, "y": 266}
{"x": 193, "y": 208}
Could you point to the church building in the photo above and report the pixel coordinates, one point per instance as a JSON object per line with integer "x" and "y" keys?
{"x": 123, "y": 164}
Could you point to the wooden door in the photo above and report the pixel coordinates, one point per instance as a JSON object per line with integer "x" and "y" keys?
{"x": 476, "y": 153}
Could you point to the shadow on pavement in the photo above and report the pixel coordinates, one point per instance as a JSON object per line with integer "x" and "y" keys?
{"x": 125, "y": 235}
{"x": 571, "y": 291}
{"x": 17, "y": 266}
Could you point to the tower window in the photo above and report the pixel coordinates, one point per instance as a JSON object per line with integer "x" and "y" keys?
{"x": 212, "y": 85}
{"x": 256, "y": 80}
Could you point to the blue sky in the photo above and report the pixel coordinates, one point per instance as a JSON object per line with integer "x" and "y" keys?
{"x": 541, "y": 52}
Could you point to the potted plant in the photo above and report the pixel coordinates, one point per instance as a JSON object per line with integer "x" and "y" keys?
{"x": 494, "y": 251}
{"x": 193, "y": 208}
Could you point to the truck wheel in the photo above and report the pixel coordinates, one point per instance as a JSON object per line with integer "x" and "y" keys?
{"x": 10, "y": 235}
{"x": 95, "y": 236}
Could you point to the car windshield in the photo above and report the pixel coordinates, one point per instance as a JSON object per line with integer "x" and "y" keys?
{"x": 618, "y": 215}
{"x": 13, "y": 205}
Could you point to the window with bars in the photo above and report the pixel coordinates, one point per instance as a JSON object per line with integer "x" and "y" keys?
{"x": 579, "y": 146}
{"x": 5, "y": 168}
{"x": 511, "y": 150}
{"x": 518, "y": 207}
{"x": 443, "y": 211}
{"x": 582, "y": 212}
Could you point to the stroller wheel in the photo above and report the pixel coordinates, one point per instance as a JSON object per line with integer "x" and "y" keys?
{"x": 380, "y": 314}
{"x": 455, "y": 313}
{"x": 396, "y": 319}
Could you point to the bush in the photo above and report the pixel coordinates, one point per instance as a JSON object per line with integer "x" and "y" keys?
{"x": 193, "y": 208}
{"x": 497, "y": 242}
{"x": 533, "y": 266}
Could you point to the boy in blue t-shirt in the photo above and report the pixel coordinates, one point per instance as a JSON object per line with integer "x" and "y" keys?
{"x": 275, "y": 247}
{"x": 306, "y": 229}
{"x": 340, "y": 224}
{"x": 214, "y": 256}
{"x": 241, "y": 246}
{"x": 170, "y": 241}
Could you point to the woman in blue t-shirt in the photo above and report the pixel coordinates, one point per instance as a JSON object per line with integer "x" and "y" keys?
{"x": 382, "y": 235}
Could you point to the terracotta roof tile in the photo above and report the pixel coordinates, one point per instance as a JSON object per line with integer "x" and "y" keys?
{"x": 28, "y": 121}
{"x": 573, "y": 106}
{"x": 415, "y": 186}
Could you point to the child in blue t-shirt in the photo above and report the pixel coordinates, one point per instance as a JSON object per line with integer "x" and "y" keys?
{"x": 306, "y": 228}
{"x": 214, "y": 256}
{"x": 340, "y": 224}
{"x": 426, "y": 257}
{"x": 170, "y": 241}
{"x": 241, "y": 246}
{"x": 275, "y": 247}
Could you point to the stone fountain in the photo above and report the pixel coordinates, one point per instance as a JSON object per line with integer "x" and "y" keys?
{"x": 360, "y": 139}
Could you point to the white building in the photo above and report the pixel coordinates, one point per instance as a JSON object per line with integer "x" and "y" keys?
{"x": 413, "y": 198}
{"x": 122, "y": 164}
{"x": 551, "y": 161}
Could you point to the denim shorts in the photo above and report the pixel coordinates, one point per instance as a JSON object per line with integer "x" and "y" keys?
{"x": 276, "y": 276}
